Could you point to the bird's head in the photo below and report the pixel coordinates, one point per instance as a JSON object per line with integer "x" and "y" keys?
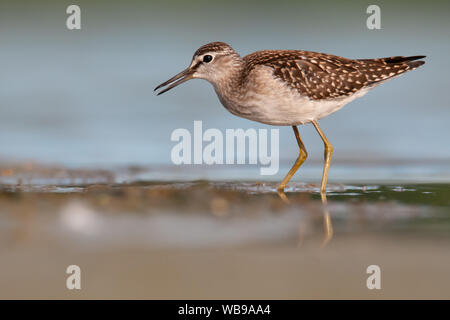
{"x": 214, "y": 62}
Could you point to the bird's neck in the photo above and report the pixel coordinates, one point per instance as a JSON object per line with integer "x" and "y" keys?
{"x": 228, "y": 82}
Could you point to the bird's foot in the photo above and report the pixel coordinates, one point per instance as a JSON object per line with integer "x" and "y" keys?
{"x": 280, "y": 191}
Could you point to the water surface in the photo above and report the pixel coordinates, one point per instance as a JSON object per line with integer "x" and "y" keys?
{"x": 140, "y": 238}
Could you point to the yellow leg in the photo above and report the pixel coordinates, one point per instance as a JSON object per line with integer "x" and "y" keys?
{"x": 300, "y": 159}
{"x": 327, "y": 156}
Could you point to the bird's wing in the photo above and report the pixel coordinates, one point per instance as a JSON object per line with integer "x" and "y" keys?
{"x": 324, "y": 76}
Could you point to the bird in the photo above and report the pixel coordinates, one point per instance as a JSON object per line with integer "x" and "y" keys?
{"x": 289, "y": 87}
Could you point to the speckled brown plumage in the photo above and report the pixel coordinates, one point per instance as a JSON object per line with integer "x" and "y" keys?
{"x": 323, "y": 76}
{"x": 287, "y": 87}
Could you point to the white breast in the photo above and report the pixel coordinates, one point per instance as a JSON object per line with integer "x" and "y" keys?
{"x": 269, "y": 100}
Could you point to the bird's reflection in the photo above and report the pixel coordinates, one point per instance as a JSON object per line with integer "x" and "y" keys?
{"x": 327, "y": 224}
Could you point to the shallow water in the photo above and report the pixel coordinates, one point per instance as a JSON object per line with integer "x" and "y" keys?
{"x": 138, "y": 238}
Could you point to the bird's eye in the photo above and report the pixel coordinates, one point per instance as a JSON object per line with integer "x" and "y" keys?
{"x": 207, "y": 58}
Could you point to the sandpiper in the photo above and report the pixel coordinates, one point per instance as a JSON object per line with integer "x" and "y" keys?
{"x": 289, "y": 87}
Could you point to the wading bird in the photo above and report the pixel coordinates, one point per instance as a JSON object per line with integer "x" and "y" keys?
{"x": 289, "y": 87}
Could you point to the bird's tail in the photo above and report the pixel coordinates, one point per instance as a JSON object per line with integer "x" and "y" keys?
{"x": 409, "y": 61}
{"x": 399, "y": 60}
{"x": 382, "y": 69}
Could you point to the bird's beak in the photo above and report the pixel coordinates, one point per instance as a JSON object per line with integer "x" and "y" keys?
{"x": 183, "y": 76}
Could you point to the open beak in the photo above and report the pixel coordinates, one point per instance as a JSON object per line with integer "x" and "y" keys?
{"x": 183, "y": 76}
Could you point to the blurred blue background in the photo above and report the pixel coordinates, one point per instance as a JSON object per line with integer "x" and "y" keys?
{"x": 85, "y": 97}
